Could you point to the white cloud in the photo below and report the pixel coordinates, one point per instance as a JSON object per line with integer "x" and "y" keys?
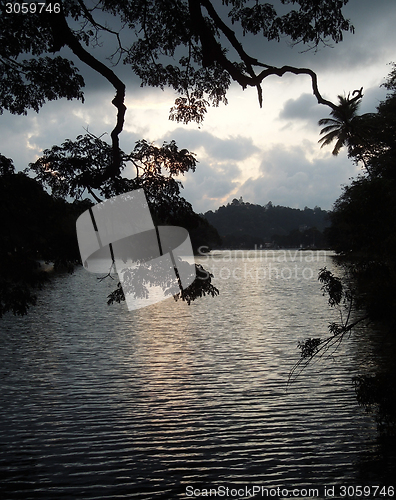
{"x": 235, "y": 148}
{"x": 287, "y": 177}
{"x": 210, "y": 185}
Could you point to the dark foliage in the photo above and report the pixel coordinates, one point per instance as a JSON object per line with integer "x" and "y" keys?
{"x": 34, "y": 227}
{"x": 363, "y": 220}
{"x": 377, "y": 393}
{"x": 301, "y": 238}
{"x": 363, "y": 232}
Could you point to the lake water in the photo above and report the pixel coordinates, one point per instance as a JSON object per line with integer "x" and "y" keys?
{"x": 101, "y": 403}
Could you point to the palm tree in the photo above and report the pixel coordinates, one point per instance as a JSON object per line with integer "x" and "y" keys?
{"x": 342, "y": 126}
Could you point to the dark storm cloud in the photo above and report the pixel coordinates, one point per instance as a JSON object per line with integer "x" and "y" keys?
{"x": 233, "y": 148}
{"x": 374, "y": 38}
{"x": 304, "y": 108}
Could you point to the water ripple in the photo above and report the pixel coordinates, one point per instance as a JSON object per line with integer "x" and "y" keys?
{"x": 100, "y": 403}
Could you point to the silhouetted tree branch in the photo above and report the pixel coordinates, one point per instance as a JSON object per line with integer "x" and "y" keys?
{"x": 63, "y": 35}
{"x": 340, "y": 296}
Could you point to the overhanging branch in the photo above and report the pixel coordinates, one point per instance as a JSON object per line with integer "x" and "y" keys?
{"x": 212, "y": 52}
{"x": 63, "y": 35}
{"x": 297, "y": 71}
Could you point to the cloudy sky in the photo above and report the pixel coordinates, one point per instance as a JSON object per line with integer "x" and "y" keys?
{"x": 268, "y": 154}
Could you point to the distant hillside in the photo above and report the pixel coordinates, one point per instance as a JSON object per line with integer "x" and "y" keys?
{"x": 243, "y": 224}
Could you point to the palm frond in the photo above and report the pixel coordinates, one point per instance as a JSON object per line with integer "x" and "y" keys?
{"x": 328, "y": 138}
{"x": 325, "y": 121}
{"x": 330, "y": 128}
{"x": 338, "y": 147}
{"x": 341, "y": 124}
